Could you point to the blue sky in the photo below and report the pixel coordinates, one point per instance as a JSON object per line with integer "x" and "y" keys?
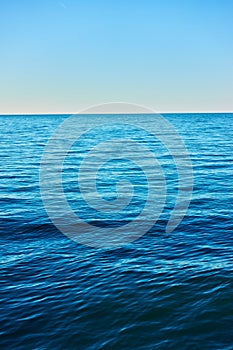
{"x": 62, "y": 56}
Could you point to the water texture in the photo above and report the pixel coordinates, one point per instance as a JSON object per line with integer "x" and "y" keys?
{"x": 162, "y": 291}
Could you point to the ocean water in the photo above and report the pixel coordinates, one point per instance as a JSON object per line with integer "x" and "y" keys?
{"x": 161, "y": 291}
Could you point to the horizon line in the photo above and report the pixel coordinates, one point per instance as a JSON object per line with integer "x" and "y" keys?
{"x": 128, "y": 113}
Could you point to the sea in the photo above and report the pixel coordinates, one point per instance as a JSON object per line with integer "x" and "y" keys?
{"x": 161, "y": 290}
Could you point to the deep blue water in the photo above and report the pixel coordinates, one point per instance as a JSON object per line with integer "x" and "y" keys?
{"x": 162, "y": 291}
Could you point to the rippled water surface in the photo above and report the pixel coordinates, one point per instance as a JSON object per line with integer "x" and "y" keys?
{"x": 162, "y": 291}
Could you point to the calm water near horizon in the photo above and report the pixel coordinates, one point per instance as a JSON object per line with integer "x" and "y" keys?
{"x": 163, "y": 291}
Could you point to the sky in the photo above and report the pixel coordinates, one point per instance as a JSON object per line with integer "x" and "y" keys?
{"x": 64, "y": 56}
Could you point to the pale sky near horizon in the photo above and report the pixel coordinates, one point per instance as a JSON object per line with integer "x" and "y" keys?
{"x": 63, "y": 56}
